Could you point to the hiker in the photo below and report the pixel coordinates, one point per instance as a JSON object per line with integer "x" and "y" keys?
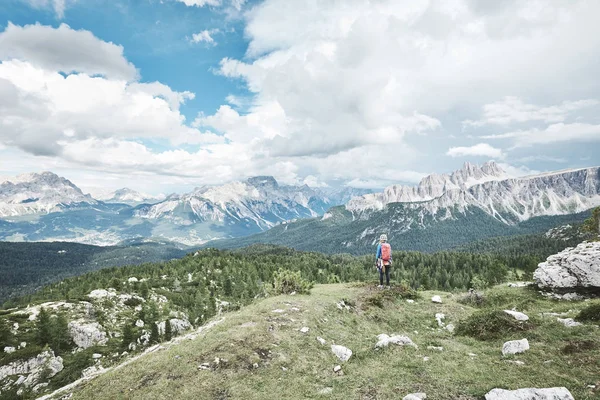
{"x": 384, "y": 260}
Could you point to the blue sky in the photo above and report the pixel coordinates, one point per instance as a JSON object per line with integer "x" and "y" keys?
{"x": 165, "y": 95}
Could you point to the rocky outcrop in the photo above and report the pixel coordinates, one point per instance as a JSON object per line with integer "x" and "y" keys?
{"x": 87, "y": 334}
{"x": 559, "y": 393}
{"x": 44, "y": 362}
{"x": 572, "y": 270}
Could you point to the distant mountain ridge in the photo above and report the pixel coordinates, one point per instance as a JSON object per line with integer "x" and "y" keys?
{"x": 42, "y": 207}
{"x": 40, "y": 193}
{"x": 444, "y": 211}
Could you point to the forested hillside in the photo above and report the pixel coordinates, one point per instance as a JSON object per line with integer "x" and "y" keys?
{"x": 25, "y": 267}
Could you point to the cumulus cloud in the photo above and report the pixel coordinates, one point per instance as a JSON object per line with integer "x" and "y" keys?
{"x": 66, "y": 50}
{"x": 513, "y": 110}
{"x": 201, "y": 3}
{"x": 575, "y": 132}
{"x": 205, "y": 36}
{"x": 478, "y": 150}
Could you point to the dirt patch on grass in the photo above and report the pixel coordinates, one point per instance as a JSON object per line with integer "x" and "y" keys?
{"x": 579, "y": 346}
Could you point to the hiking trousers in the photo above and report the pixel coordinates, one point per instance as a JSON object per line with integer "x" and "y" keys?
{"x": 387, "y": 275}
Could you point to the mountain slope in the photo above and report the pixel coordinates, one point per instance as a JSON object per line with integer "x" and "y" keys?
{"x": 257, "y": 353}
{"x": 129, "y": 196}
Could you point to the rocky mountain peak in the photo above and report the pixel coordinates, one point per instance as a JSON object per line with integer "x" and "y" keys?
{"x": 263, "y": 182}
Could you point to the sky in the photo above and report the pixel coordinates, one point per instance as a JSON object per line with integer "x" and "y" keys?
{"x": 167, "y": 95}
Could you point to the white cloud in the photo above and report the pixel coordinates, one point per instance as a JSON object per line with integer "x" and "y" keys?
{"x": 59, "y": 6}
{"x": 513, "y": 110}
{"x": 66, "y": 50}
{"x": 201, "y": 3}
{"x": 478, "y": 150}
{"x": 314, "y": 182}
{"x": 543, "y": 158}
{"x": 575, "y": 132}
{"x": 205, "y": 36}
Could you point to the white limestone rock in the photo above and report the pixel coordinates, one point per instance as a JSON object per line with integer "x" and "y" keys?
{"x": 515, "y": 347}
{"x": 139, "y": 323}
{"x": 572, "y": 270}
{"x": 45, "y": 362}
{"x": 569, "y": 322}
{"x": 87, "y": 334}
{"x": 519, "y": 316}
{"x": 321, "y": 340}
{"x": 343, "y": 353}
{"x": 415, "y": 396}
{"x": 450, "y": 328}
{"x": 9, "y": 349}
{"x": 384, "y": 340}
{"x": 304, "y": 329}
{"x": 99, "y": 294}
{"x": 557, "y": 393}
{"x": 439, "y": 317}
{"x": 436, "y": 299}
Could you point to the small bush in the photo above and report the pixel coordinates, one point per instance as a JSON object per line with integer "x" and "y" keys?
{"x": 489, "y": 325}
{"x": 473, "y": 299}
{"x": 380, "y": 297}
{"x": 590, "y": 313}
{"x": 133, "y": 302}
{"x": 286, "y": 282}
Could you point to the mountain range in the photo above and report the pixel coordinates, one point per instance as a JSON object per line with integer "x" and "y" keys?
{"x": 444, "y": 211}
{"x": 43, "y": 207}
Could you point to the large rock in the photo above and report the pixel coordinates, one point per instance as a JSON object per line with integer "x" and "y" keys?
{"x": 519, "y": 316}
{"x": 343, "y": 353}
{"x": 87, "y": 334}
{"x": 515, "y": 347}
{"x": 384, "y": 340}
{"x": 572, "y": 270}
{"x": 558, "y": 393}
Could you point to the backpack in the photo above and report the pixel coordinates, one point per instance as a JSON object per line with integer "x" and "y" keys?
{"x": 386, "y": 252}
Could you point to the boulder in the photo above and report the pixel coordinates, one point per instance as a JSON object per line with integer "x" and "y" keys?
{"x": 436, "y": 299}
{"x": 440, "y": 319}
{"x": 519, "y": 316}
{"x": 87, "y": 334}
{"x": 304, "y": 329}
{"x": 9, "y": 349}
{"x": 343, "y": 353}
{"x": 558, "y": 393}
{"x": 44, "y": 363}
{"x": 515, "y": 347}
{"x": 572, "y": 270}
{"x": 321, "y": 340}
{"x": 384, "y": 340}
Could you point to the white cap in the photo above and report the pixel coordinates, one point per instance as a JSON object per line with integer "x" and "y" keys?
{"x": 383, "y": 238}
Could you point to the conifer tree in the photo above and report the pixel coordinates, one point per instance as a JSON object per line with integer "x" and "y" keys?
{"x": 43, "y": 327}
{"x": 154, "y": 334}
{"x": 168, "y": 330}
{"x": 128, "y": 336}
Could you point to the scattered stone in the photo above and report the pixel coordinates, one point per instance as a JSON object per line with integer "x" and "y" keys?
{"x": 410, "y": 301}
{"x": 133, "y": 279}
{"x": 321, "y": 340}
{"x": 304, "y": 329}
{"x": 139, "y": 323}
{"x": 472, "y": 355}
{"x": 296, "y": 309}
{"x": 436, "y": 299}
{"x": 22, "y": 345}
{"x": 248, "y": 324}
{"x": 9, "y": 349}
{"x": 278, "y": 311}
{"x": 337, "y": 368}
{"x": 343, "y": 353}
{"x": 519, "y": 284}
{"x": 415, "y": 396}
{"x": 518, "y": 362}
{"x": 436, "y": 348}
{"x": 569, "y": 322}
{"x": 384, "y": 340}
{"x": 519, "y": 316}
{"x": 450, "y": 328}
{"x": 440, "y": 318}
{"x": 204, "y": 366}
{"x": 425, "y": 358}
{"x": 559, "y": 393}
{"x": 96, "y": 356}
{"x": 515, "y": 347}
{"x": 284, "y": 369}
{"x": 572, "y": 270}
{"x": 255, "y": 365}
{"x": 327, "y": 390}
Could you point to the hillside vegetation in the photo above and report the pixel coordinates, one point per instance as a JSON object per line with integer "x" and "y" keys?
{"x": 263, "y": 352}
{"x": 25, "y": 267}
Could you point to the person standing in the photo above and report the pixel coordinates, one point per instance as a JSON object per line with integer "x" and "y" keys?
{"x": 384, "y": 260}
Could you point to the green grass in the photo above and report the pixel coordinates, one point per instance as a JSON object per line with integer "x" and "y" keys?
{"x": 267, "y": 357}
